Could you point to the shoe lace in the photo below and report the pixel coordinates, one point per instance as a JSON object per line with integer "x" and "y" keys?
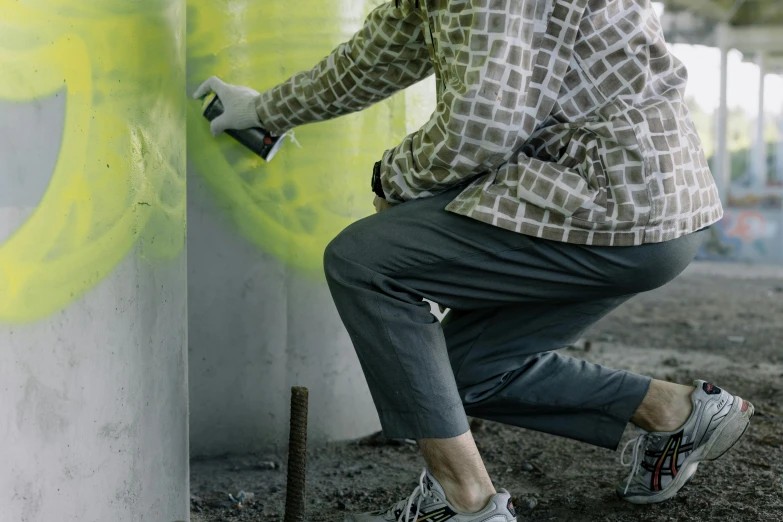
{"x": 421, "y": 492}
{"x": 637, "y": 456}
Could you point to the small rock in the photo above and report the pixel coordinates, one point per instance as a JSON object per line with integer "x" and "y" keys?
{"x": 196, "y": 500}
{"x": 736, "y": 339}
{"x": 344, "y": 505}
{"x": 580, "y": 346}
{"x": 671, "y": 361}
{"x": 241, "y": 498}
{"x": 526, "y": 466}
{"x": 274, "y": 489}
{"x": 531, "y": 503}
{"x": 250, "y": 465}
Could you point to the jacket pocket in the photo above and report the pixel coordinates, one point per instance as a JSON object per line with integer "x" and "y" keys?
{"x": 583, "y": 156}
{"x": 572, "y": 183}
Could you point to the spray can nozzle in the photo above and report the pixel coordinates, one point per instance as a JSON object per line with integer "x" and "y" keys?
{"x": 257, "y": 139}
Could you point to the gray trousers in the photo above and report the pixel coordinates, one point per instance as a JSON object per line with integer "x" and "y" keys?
{"x": 513, "y": 299}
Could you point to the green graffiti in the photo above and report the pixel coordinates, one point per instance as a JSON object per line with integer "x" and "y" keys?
{"x": 293, "y": 206}
{"x": 118, "y": 183}
{"x": 119, "y": 177}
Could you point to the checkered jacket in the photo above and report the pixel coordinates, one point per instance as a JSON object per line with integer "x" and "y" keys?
{"x": 562, "y": 119}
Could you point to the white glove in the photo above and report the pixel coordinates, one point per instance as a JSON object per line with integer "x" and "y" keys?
{"x": 239, "y": 107}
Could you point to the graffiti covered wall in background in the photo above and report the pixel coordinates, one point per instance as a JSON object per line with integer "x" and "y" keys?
{"x": 746, "y": 235}
{"x": 293, "y": 206}
{"x": 118, "y": 180}
{"x": 119, "y": 177}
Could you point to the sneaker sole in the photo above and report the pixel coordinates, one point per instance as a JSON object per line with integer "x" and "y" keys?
{"x": 722, "y": 440}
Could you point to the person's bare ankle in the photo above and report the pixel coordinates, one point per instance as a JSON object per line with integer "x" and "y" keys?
{"x": 672, "y": 420}
{"x": 466, "y": 498}
{"x": 666, "y": 407}
{"x": 457, "y": 466}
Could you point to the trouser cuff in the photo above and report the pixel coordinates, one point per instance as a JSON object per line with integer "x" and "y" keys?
{"x": 635, "y": 389}
{"x": 445, "y": 423}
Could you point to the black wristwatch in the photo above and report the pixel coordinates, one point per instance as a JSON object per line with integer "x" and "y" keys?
{"x": 377, "y": 186}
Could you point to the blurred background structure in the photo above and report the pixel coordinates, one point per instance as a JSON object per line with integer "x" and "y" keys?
{"x": 734, "y": 53}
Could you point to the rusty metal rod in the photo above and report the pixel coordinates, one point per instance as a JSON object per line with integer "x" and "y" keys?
{"x": 297, "y": 457}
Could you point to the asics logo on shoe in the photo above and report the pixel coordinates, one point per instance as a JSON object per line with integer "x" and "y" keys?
{"x": 672, "y": 452}
{"x": 511, "y": 509}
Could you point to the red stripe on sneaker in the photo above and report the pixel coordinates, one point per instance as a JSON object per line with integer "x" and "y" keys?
{"x": 674, "y": 458}
{"x": 744, "y": 406}
{"x": 656, "y": 477}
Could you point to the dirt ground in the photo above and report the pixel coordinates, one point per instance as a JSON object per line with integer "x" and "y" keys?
{"x": 722, "y": 323}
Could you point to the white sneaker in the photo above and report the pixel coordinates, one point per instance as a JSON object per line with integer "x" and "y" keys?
{"x": 663, "y": 462}
{"x": 428, "y": 503}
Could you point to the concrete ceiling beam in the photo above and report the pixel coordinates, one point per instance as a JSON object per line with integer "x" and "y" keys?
{"x": 709, "y": 9}
{"x": 753, "y": 39}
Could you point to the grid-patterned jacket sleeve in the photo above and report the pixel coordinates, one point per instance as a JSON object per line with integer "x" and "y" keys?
{"x": 387, "y": 55}
{"x": 486, "y": 52}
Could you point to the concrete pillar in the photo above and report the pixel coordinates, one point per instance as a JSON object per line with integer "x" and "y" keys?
{"x": 93, "y": 400}
{"x": 779, "y": 152}
{"x": 261, "y": 316}
{"x": 759, "y": 145}
{"x": 722, "y": 164}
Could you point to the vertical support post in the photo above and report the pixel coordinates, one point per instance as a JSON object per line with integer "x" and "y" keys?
{"x": 297, "y": 457}
{"x": 759, "y": 145}
{"x": 779, "y": 153}
{"x": 722, "y": 161}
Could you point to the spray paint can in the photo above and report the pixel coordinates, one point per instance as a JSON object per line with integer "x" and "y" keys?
{"x": 256, "y": 139}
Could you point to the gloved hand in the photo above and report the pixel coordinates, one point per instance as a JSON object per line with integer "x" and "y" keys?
{"x": 239, "y": 108}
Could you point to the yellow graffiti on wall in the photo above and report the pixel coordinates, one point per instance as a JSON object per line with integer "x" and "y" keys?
{"x": 293, "y": 206}
{"x": 119, "y": 177}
